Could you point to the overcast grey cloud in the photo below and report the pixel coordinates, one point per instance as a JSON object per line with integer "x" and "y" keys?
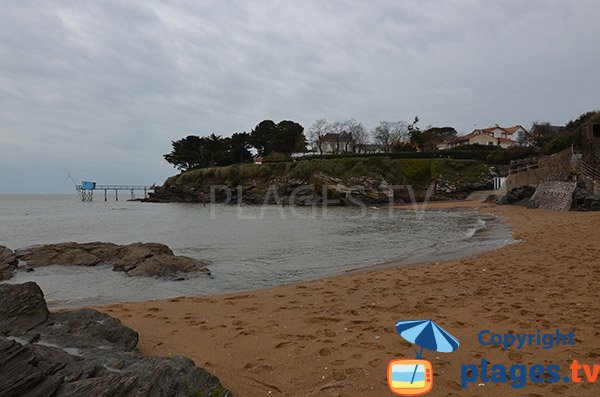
{"x": 100, "y": 88}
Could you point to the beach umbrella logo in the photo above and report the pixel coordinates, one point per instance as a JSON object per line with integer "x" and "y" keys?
{"x": 408, "y": 377}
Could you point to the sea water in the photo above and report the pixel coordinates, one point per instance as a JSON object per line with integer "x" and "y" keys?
{"x": 246, "y": 247}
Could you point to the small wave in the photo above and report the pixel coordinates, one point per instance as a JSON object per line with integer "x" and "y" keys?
{"x": 472, "y": 230}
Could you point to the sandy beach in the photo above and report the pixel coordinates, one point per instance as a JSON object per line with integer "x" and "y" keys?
{"x": 335, "y": 336}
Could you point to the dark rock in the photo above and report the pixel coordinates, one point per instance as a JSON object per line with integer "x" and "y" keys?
{"x": 18, "y": 374}
{"x": 155, "y": 260}
{"x": 84, "y": 353}
{"x": 68, "y": 254}
{"x": 8, "y": 263}
{"x": 139, "y": 259}
{"x": 175, "y": 194}
{"x": 583, "y": 200}
{"x": 87, "y": 328}
{"x": 22, "y": 307}
{"x": 518, "y": 196}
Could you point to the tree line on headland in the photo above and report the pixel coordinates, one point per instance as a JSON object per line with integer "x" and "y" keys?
{"x": 278, "y": 141}
{"x": 267, "y": 138}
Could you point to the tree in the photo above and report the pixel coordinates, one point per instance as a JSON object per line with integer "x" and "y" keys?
{"x": 186, "y": 153}
{"x": 429, "y": 139}
{"x": 316, "y": 133}
{"x": 198, "y": 152}
{"x": 403, "y": 147}
{"x": 574, "y": 125}
{"x": 540, "y": 133}
{"x": 216, "y": 151}
{"x": 413, "y": 126}
{"x": 336, "y": 127}
{"x": 388, "y": 133}
{"x": 262, "y": 136}
{"x": 239, "y": 145}
{"x": 358, "y": 133}
{"x": 286, "y": 137}
{"x": 289, "y": 138}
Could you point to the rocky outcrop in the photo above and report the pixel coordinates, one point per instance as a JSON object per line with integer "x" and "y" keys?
{"x": 138, "y": 259}
{"x": 518, "y": 196}
{"x": 321, "y": 189}
{"x": 583, "y": 200}
{"x": 8, "y": 263}
{"x": 22, "y": 307}
{"x": 331, "y": 181}
{"x": 318, "y": 188}
{"x": 84, "y": 353}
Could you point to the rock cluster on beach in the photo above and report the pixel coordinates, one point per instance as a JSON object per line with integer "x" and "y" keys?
{"x": 553, "y": 195}
{"x": 518, "y": 196}
{"x": 138, "y": 259}
{"x": 84, "y": 353}
{"x": 8, "y": 263}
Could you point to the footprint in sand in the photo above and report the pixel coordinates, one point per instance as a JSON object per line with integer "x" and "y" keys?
{"x": 322, "y": 319}
{"x": 325, "y": 352}
{"x": 282, "y": 344}
{"x": 326, "y": 332}
{"x": 339, "y": 375}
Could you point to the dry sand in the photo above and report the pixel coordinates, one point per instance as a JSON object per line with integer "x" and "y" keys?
{"x": 335, "y": 336}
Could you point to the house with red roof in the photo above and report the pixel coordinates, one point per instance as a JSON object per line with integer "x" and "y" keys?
{"x": 493, "y": 136}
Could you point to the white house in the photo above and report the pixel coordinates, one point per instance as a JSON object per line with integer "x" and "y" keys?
{"x": 504, "y": 137}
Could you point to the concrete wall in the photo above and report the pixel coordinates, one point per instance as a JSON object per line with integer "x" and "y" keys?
{"x": 560, "y": 165}
{"x": 526, "y": 178}
{"x": 557, "y": 167}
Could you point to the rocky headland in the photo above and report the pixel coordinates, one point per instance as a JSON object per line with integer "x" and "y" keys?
{"x": 138, "y": 259}
{"x": 84, "y": 353}
{"x": 345, "y": 181}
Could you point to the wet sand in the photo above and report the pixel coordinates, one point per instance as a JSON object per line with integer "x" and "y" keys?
{"x": 335, "y": 336}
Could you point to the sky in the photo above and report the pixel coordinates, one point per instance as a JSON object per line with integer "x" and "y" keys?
{"x": 99, "y": 89}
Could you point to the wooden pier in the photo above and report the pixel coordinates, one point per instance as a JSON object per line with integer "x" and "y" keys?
{"x": 86, "y": 190}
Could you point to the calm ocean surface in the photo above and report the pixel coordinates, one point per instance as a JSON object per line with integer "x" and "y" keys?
{"x": 247, "y": 247}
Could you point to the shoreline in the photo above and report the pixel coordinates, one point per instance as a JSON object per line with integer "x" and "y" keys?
{"x": 500, "y": 228}
{"x": 475, "y": 233}
{"x": 334, "y": 336}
